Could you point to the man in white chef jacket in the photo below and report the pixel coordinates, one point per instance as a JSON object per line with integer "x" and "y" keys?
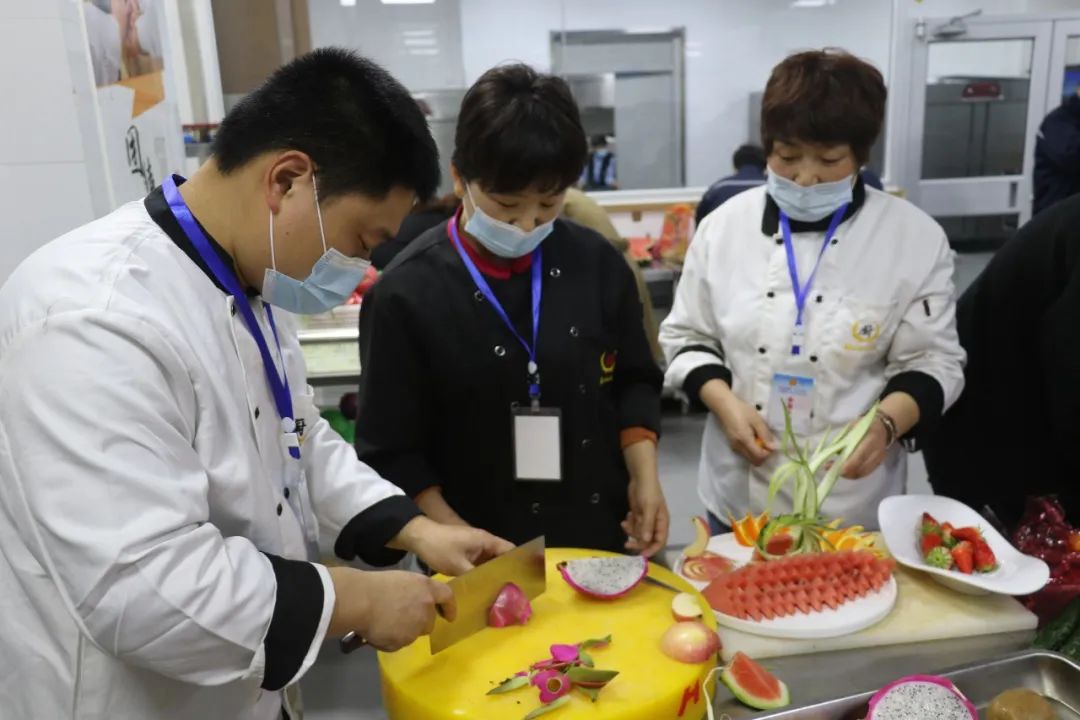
{"x": 165, "y": 478}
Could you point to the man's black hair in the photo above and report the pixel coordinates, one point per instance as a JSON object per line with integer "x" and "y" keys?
{"x": 359, "y": 125}
{"x": 749, "y": 155}
{"x": 519, "y": 129}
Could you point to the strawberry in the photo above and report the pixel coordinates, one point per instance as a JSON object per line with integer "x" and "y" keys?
{"x": 984, "y": 558}
{"x": 929, "y": 525}
{"x": 964, "y": 557}
{"x": 972, "y": 535}
{"x": 947, "y": 535}
{"x": 929, "y": 542}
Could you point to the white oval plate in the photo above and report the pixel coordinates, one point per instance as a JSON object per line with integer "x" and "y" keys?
{"x": 900, "y": 517}
{"x": 851, "y": 617}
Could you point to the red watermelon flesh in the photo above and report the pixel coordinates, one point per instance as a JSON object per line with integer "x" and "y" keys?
{"x": 753, "y": 685}
{"x": 798, "y": 584}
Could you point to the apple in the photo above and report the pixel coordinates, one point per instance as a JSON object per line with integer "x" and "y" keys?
{"x": 685, "y": 607}
{"x": 701, "y": 538}
{"x": 690, "y": 642}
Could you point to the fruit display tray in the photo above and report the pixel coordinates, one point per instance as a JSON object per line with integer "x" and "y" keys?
{"x": 1052, "y": 675}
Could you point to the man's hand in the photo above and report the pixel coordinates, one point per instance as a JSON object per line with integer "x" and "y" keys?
{"x": 646, "y": 525}
{"x": 449, "y": 549}
{"x": 389, "y": 609}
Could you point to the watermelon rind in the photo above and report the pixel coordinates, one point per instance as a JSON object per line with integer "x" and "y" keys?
{"x": 749, "y": 699}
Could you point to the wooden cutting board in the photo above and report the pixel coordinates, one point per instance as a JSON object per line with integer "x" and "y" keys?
{"x": 924, "y": 611}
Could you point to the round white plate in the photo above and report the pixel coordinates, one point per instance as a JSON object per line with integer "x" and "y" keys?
{"x": 900, "y": 517}
{"x": 851, "y": 617}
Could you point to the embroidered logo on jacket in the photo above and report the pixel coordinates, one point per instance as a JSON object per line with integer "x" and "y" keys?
{"x": 865, "y": 334}
{"x": 607, "y": 367}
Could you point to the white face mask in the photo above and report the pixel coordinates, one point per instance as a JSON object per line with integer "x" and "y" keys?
{"x": 501, "y": 238}
{"x": 329, "y": 284}
{"x": 812, "y": 203}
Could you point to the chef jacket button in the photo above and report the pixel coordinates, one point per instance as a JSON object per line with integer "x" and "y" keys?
{"x": 478, "y": 296}
{"x": 770, "y": 294}
{"x": 258, "y": 412}
{"x": 286, "y": 493}
{"x": 758, "y": 407}
{"x": 500, "y": 351}
{"x": 514, "y": 405}
{"x": 555, "y": 273}
{"x": 761, "y": 350}
{"x": 779, "y": 241}
{"x": 233, "y": 309}
{"x": 586, "y": 444}
{"x": 279, "y": 509}
{"x": 813, "y": 358}
{"x": 573, "y": 331}
{"x": 583, "y": 389}
{"x": 595, "y": 499}
{"x": 536, "y": 508}
{"x": 834, "y": 241}
{"x": 819, "y": 298}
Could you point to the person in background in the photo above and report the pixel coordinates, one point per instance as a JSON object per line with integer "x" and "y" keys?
{"x": 507, "y": 381}
{"x": 585, "y": 211}
{"x": 1010, "y": 433}
{"x": 423, "y": 217}
{"x": 599, "y": 172}
{"x": 1057, "y": 155}
{"x": 817, "y": 294}
{"x": 749, "y": 163}
{"x": 167, "y": 486}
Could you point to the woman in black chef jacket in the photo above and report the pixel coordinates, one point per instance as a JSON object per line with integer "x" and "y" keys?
{"x": 507, "y": 381}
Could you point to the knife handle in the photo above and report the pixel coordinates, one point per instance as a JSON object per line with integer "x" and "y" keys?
{"x": 351, "y": 642}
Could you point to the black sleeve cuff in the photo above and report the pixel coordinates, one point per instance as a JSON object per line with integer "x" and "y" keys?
{"x": 298, "y": 608}
{"x": 367, "y": 534}
{"x": 928, "y": 395}
{"x": 696, "y": 379}
{"x": 639, "y": 406}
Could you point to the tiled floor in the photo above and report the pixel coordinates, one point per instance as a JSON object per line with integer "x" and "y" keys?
{"x": 347, "y": 687}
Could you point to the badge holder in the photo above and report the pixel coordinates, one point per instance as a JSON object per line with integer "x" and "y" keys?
{"x": 537, "y": 437}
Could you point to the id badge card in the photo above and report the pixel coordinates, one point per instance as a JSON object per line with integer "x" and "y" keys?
{"x": 537, "y": 444}
{"x": 796, "y": 393}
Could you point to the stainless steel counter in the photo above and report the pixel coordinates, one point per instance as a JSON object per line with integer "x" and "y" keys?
{"x": 816, "y": 678}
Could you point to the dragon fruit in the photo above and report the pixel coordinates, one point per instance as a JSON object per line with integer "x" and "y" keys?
{"x": 605, "y": 577}
{"x": 920, "y": 697}
{"x": 511, "y": 607}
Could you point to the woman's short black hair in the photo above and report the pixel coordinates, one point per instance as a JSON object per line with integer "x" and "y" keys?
{"x": 359, "y": 125}
{"x": 825, "y": 96}
{"x": 519, "y": 129}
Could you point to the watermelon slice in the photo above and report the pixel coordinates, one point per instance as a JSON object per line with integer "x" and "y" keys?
{"x": 753, "y": 685}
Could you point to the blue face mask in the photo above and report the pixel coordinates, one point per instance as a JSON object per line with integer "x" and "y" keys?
{"x": 503, "y": 239}
{"x": 808, "y": 204}
{"x": 331, "y": 281}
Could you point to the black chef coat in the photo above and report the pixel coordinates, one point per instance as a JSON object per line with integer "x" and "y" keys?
{"x": 441, "y": 373}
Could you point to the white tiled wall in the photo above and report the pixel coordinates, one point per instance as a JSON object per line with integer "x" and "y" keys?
{"x": 46, "y": 185}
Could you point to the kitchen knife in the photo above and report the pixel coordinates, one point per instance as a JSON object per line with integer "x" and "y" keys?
{"x": 475, "y": 591}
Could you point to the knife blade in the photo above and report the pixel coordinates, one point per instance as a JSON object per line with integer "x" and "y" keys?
{"x": 476, "y": 590}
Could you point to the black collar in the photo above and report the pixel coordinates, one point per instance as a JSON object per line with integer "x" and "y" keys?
{"x": 158, "y": 208}
{"x": 770, "y": 220}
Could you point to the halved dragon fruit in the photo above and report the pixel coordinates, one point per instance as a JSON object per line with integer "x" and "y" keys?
{"x": 605, "y": 578}
{"x": 511, "y": 607}
{"x": 921, "y": 697}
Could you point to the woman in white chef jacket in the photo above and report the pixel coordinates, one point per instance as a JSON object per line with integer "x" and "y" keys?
{"x": 817, "y": 292}
{"x": 165, "y": 478}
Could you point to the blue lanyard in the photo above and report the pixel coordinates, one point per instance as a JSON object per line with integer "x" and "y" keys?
{"x": 279, "y": 384}
{"x": 802, "y": 292}
{"x": 485, "y": 289}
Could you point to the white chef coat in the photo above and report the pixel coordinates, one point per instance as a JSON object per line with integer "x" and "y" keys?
{"x": 142, "y": 472}
{"x": 882, "y": 304}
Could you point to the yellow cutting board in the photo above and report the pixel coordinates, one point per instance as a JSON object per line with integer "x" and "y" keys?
{"x": 925, "y": 611}
{"x": 650, "y": 686}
